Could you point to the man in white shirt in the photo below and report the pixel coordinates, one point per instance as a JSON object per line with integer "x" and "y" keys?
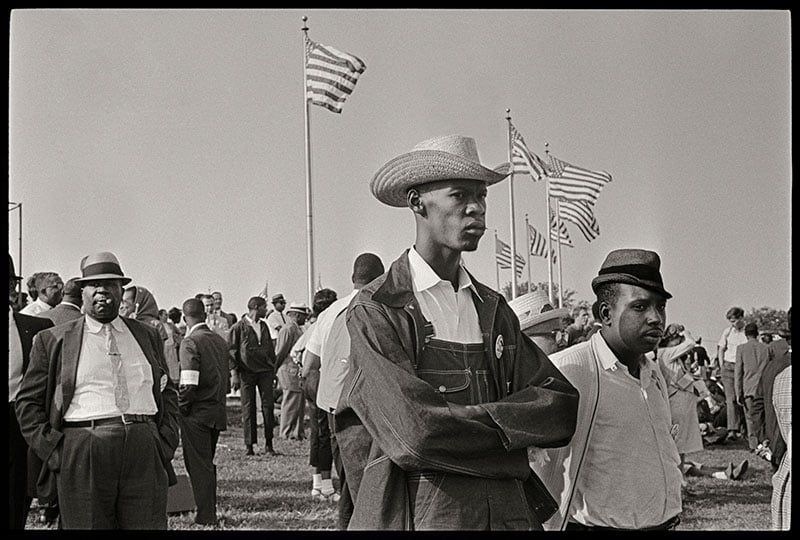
{"x": 96, "y": 404}
{"x": 50, "y": 290}
{"x": 275, "y": 318}
{"x": 731, "y": 338}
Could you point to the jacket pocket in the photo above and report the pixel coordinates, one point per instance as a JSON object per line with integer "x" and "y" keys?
{"x": 453, "y": 385}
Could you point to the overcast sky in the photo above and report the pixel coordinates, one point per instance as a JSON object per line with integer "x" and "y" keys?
{"x": 175, "y": 139}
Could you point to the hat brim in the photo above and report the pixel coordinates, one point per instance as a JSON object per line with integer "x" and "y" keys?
{"x": 528, "y": 322}
{"x": 124, "y": 280}
{"x": 631, "y": 280}
{"x": 392, "y": 182}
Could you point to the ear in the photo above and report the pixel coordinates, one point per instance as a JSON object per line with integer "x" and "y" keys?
{"x": 605, "y": 313}
{"x": 414, "y": 202}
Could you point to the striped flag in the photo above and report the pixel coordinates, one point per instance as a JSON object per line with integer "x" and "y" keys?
{"x": 503, "y": 256}
{"x": 331, "y": 75}
{"x": 575, "y": 183}
{"x": 562, "y": 235}
{"x": 581, "y": 214}
{"x": 523, "y": 160}
{"x": 538, "y": 244}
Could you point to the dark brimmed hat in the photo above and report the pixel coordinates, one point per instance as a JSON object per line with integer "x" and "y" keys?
{"x": 638, "y": 267}
{"x": 12, "y": 274}
{"x": 278, "y": 298}
{"x": 102, "y": 265}
{"x": 451, "y": 157}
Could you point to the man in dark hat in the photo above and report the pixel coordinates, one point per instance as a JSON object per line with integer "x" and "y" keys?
{"x": 21, "y": 330}
{"x": 621, "y": 469}
{"x": 97, "y": 404}
{"x": 444, "y": 392}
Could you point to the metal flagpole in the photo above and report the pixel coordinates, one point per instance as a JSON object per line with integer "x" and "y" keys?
{"x": 528, "y": 242}
{"x": 511, "y": 206}
{"x": 549, "y": 240}
{"x": 496, "y": 266}
{"x": 558, "y": 241}
{"x": 18, "y": 206}
{"x": 309, "y": 213}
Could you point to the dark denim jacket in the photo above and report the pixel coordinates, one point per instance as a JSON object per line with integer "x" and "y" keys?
{"x": 389, "y": 420}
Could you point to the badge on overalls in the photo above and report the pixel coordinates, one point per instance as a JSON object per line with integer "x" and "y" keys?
{"x": 498, "y": 346}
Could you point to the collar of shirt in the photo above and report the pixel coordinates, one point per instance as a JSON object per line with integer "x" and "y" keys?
{"x": 424, "y": 277}
{"x": 70, "y": 304}
{"x": 610, "y": 362}
{"x": 94, "y": 326}
{"x": 189, "y": 332}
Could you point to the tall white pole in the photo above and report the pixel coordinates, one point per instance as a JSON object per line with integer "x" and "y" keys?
{"x": 309, "y": 212}
{"x": 511, "y": 207}
{"x": 558, "y": 241}
{"x": 549, "y": 240}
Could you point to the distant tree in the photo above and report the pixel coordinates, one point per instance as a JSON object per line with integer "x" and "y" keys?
{"x": 768, "y": 319}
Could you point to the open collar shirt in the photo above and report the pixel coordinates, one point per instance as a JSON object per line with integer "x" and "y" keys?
{"x": 452, "y": 312}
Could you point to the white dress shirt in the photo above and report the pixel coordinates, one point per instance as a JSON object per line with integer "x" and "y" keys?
{"x": 36, "y": 307}
{"x": 451, "y": 312}
{"x": 94, "y": 381}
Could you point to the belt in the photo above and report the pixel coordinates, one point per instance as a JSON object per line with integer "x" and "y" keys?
{"x": 668, "y": 525}
{"x": 111, "y": 421}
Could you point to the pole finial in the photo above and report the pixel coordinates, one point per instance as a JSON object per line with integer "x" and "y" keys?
{"x": 305, "y": 27}
{"x": 547, "y": 148}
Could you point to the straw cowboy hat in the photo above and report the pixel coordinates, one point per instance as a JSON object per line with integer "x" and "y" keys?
{"x": 297, "y": 307}
{"x": 102, "y": 265}
{"x": 638, "y": 267}
{"x": 449, "y": 157}
{"x": 535, "y": 312}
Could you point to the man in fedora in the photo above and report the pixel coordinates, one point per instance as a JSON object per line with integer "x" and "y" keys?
{"x": 540, "y": 321}
{"x": 444, "y": 392}
{"x": 621, "y": 469}
{"x": 21, "y": 330}
{"x": 97, "y": 406}
{"x": 292, "y": 399}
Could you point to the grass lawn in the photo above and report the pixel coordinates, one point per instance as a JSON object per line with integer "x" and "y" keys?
{"x": 260, "y": 492}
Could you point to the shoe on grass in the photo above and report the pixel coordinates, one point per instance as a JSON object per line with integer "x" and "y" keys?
{"x": 248, "y": 450}
{"x": 738, "y": 471}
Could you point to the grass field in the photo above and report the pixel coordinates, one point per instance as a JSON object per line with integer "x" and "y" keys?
{"x": 273, "y": 493}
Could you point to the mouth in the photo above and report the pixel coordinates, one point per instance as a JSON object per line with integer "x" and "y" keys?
{"x": 654, "y": 334}
{"x": 476, "y": 229}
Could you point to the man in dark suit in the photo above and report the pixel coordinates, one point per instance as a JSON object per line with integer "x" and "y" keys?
{"x": 70, "y": 306}
{"x": 201, "y": 399}
{"x": 21, "y": 330}
{"x": 97, "y": 406}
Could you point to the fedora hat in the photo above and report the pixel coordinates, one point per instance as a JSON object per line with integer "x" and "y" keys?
{"x": 449, "y": 157}
{"x": 534, "y": 310}
{"x": 638, "y": 267}
{"x": 12, "y": 274}
{"x": 278, "y": 298}
{"x": 297, "y": 307}
{"x": 102, "y": 265}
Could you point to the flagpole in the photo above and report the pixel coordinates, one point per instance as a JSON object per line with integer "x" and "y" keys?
{"x": 309, "y": 213}
{"x": 496, "y": 266}
{"x": 511, "y": 206}
{"x": 558, "y": 236}
{"x": 549, "y": 240}
{"x": 528, "y": 242}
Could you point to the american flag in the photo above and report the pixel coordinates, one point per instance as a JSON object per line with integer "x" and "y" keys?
{"x": 503, "y": 256}
{"x": 562, "y": 235}
{"x": 581, "y": 214}
{"x": 523, "y": 160}
{"x": 575, "y": 183}
{"x": 538, "y": 244}
{"x": 331, "y": 75}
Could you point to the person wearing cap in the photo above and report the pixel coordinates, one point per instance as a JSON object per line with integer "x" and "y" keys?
{"x": 779, "y": 356}
{"x": 70, "y": 306}
{"x": 751, "y": 357}
{"x": 49, "y": 291}
{"x": 621, "y": 469}
{"x": 96, "y": 404}
{"x": 292, "y": 400}
{"x": 276, "y": 318}
{"x": 21, "y": 331}
{"x": 253, "y": 364}
{"x": 540, "y": 321}
{"x": 202, "y": 403}
{"x": 444, "y": 392}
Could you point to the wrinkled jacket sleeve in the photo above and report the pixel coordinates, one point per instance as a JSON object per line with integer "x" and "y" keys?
{"x": 168, "y": 427}
{"x": 412, "y": 423}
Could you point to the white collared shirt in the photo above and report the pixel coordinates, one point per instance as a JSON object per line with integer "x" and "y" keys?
{"x": 631, "y": 453}
{"x": 94, "y": 381}
{"x": 255, "y": 325}
{"x": 14, "y": 357}
{"x": 36, "y": 307}
{"x": 451, "y": 312}
{"x": 193, "y": 328}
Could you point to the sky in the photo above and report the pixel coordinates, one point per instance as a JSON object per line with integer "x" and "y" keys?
{"x": 175, "y": 139}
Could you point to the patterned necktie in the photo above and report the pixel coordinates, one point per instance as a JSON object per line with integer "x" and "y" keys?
{"x": 120, "y": 382}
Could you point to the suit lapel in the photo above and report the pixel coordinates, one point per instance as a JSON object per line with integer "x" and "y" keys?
{"x": 73, "y": 338}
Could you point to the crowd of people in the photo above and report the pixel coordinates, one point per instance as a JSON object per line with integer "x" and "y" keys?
{"x": 440, "y": 404}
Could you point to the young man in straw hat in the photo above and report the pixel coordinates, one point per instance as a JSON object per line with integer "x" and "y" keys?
{"x": 444, "y": 393}
{"x": 97, "y": 406}
{"x": 621, "y": 468}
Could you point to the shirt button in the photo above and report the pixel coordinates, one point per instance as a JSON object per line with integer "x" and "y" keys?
{"x": 442, "y": 388}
